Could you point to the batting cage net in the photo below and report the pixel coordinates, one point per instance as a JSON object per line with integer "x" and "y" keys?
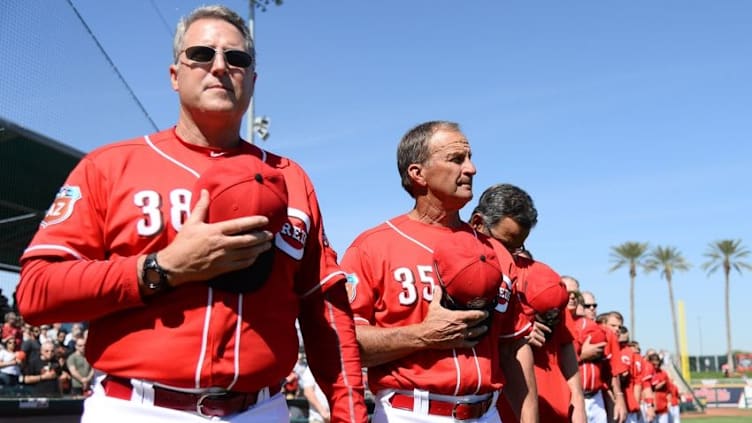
{"x": 65, "y": 92}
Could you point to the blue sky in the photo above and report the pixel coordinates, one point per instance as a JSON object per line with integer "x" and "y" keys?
{"x": 624, "y": 120}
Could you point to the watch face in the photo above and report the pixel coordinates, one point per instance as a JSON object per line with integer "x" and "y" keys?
{"x": 152, "y": 277}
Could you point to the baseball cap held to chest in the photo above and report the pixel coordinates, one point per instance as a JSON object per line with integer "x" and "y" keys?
{"x": 468, "y": 269}
{"x": 240, "y": 186}
{"x": 542, "y": 289}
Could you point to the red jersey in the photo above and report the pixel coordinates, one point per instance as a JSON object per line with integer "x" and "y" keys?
{"x": 554, "y": 394}
{"x": 648, "y": 371}
{"x": 553, "y": 391}
{"x": 660, "y": 385}
{"x": 633, "y": 378}
{"x": 617, "y": 366}
{"x": 392, "y": 279}
{"x": 114, "y": 207}
{"x": 594, "y": 373}
{"x": 674, "y": 391}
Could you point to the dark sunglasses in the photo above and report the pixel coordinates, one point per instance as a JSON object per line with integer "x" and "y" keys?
{"x": 205, "y": 54}
{"x": 593, "y": 306}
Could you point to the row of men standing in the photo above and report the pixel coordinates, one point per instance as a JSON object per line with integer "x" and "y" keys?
{"x": 192, "y": 236}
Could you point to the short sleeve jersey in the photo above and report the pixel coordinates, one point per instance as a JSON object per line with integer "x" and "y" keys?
{"x": 391, "y": 282}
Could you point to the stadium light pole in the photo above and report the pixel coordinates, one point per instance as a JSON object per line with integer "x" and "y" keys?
{"x": 256, "y": 125}
{"x": 249, "y": 114}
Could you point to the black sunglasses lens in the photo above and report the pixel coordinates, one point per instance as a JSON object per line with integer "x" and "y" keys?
{"x": 238, "y": 58}
{"x": 201, "y": 54}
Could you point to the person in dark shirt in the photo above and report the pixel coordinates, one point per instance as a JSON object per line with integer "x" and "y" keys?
{"x": 43, "y": 374}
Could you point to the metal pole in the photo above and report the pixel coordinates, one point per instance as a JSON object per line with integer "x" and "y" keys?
{"x": 699, "y": 328}
{"x": 249, "y": 113}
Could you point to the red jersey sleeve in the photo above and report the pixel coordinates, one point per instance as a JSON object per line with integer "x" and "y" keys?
{"x": 326, "y": 320}
{"x": 618, "y": 367}
{"x": 362, "y": 292}
{"x": 67, "y": 258}
{"x": 510, "y": 319}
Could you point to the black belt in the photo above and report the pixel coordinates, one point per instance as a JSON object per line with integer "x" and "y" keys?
{"x": 590, "y": 394}
{"x": 221, "y": 403}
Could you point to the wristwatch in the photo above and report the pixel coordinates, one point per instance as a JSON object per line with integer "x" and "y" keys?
{"x": 153, "y": 275}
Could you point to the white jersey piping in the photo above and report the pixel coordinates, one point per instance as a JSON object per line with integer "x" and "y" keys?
{"x": 409, "y": 238}
{"x": 70, "y": 251}
{"x": 170, "y": 158}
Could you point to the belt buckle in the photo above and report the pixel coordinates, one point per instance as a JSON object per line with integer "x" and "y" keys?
{"x": 475, "y": 406}
{"x": 459, "y": 404}
{"x": 210, "y": 393}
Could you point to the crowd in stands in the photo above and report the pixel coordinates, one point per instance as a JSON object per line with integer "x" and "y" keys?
{"x": 43, "y": 361}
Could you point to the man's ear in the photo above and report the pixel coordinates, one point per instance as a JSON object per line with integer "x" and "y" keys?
{"x": 174, "y": 76}
{"x": 415, "y": 171}
{"x": 476, "y": 221}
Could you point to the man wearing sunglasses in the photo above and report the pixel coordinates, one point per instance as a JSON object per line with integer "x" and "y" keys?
{"x": 124, "y": 247}
{"x": 601, "y": 375}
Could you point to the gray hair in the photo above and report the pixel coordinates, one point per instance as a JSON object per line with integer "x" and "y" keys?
{"x": 413, "y": 148}
{"x": 506, "y": 200}
{"x": 212, "y": 12}
{"x": 571, "y": 278}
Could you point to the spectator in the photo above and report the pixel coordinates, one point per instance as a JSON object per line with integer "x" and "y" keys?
{"x": 77, "y": 330}
{"x": 10, "y": 363}
{"x": 43, "y": 334}
{"x": 31, "y": 343}
{"x": 12, "y": 328}
{"x": 59, "y": 343}
{"x": 318, "y": 407}
{"x": 79, "y": 368}
{"x": 53, "y": 330}
{"x": 44, "y": 373}
{"x": 4, "y": 305}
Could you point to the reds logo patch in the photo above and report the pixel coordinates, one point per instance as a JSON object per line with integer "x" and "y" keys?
{"x": 351, "y": 285}
{"x": 294, "y": 233}
{"x": 62, "y": 206}
{"x": 505, "y": 294}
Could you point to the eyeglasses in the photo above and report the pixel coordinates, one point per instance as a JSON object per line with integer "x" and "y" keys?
{"x": 593, "y": 306}
{"x": 205, "y": 54}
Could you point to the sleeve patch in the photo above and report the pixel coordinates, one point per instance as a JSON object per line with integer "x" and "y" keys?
{"x": 351, "y": 285}
{"x": 62, "y": 207}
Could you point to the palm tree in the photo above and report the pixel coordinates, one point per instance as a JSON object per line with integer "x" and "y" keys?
{"x": 668, "y": 260}
{"x": 727, "y": 254}
{"x": 629, "y": 254}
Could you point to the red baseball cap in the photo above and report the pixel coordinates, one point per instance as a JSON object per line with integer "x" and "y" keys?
{"x": 592, "y": 329}
{"x": 468, "y": 269}
{"x": 542, "y": 288}
{"x": 239, "y": 186}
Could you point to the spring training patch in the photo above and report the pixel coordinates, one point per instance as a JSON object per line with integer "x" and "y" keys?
{"x": 62, "y": 206}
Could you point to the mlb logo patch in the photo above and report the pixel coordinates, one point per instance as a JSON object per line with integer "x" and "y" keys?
{"x": 62, "y": 206}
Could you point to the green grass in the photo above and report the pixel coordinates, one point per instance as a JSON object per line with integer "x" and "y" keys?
{"x": 698, "y": 376}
